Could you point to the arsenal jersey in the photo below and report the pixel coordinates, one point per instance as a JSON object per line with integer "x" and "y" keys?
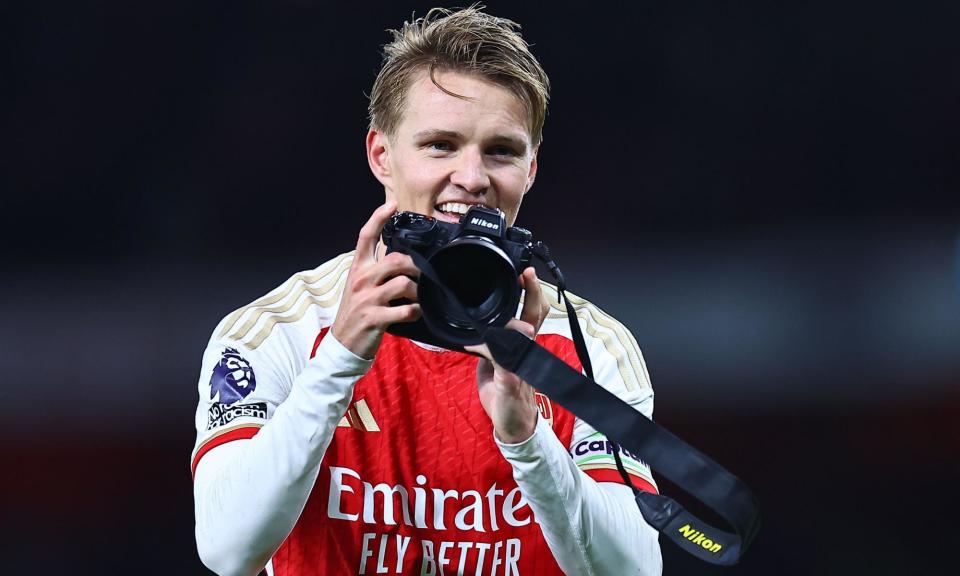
{"x": 413, "y": 481}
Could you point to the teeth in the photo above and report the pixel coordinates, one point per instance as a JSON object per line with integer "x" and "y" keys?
{"x": 454, "y": 207}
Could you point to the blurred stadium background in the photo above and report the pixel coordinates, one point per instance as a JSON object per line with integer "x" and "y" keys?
{"x": 765, "y": 193}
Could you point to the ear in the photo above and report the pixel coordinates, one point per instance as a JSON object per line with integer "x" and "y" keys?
{"x": 533, "y": 170}
{"x": 378, "y": 157}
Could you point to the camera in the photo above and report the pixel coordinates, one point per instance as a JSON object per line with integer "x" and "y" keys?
{"x": 479, "y": 261}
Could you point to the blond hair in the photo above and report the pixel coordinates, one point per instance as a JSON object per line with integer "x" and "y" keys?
{"x": 467, "y": 41}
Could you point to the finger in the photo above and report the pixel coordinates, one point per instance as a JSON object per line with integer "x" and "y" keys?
{"x": 532, "y": 311}
{"x": 394, "y": 264}
{"x": 397, "y": 314}
{"x": 522, "y": 327}
{"x": 370, "y": 233}
{"x": 396, "y": 288}
{"x": 479, "y": 350}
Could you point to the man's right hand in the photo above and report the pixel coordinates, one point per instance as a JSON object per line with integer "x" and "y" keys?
{"x": 365, "y": 310}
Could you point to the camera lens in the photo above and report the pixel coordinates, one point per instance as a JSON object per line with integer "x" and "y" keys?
{"x": 482, "y": 278}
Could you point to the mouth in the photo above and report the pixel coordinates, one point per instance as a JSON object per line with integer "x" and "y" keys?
{"x": 453, "y": 211}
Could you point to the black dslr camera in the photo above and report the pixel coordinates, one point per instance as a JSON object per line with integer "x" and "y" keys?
{"x": 479, "y": 261}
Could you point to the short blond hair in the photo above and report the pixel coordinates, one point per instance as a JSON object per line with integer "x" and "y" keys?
{"x": 468, "y": 41}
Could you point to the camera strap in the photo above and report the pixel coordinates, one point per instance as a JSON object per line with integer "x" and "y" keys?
{"x": 671, "y": 457}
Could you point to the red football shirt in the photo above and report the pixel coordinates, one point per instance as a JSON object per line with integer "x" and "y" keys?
{"x": 413, "y": 481}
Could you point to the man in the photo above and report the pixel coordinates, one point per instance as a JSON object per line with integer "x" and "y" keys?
{"x": 326, "y": 446}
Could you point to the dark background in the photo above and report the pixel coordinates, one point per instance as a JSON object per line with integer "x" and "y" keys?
{"x": 766, "y": 193}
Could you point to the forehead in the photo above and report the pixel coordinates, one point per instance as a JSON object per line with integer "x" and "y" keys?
{"x": 483, "y": 106}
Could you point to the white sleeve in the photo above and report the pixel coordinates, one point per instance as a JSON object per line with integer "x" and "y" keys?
{"x": 592, "y": 528}
{"x": 248, "y": 494}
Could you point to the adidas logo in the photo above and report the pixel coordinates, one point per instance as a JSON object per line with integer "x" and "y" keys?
{"x": 359, "y": 417}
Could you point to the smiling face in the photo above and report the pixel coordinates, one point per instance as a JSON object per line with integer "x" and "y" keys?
{"x": 449, "y": 153}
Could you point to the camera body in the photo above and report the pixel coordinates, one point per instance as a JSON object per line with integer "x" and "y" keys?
{"x": 479, "y": 261}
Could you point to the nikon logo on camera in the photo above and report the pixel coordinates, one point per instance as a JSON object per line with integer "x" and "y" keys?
{"x": 698, "y": 538}
{"x": 484, "y": 223}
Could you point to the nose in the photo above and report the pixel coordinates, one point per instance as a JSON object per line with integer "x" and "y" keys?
{"x": 470, "y": 173}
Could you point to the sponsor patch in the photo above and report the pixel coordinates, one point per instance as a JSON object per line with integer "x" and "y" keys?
{"x": 601, "y": 446}
{"x": 218, "y": 415}
{"x": 232, "y": 379}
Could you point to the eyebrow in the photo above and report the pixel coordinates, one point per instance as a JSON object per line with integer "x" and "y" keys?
{"x": 508, "y": 139}
{"x": 435, "y": 133}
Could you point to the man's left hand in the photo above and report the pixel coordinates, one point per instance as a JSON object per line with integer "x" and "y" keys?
{"x": 508, "y": 400}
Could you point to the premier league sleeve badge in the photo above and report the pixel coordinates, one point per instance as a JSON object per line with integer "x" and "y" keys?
{"x": 232, "y": 379}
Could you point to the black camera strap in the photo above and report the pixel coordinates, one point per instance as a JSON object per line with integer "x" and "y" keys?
{"x": 670, "y": 456}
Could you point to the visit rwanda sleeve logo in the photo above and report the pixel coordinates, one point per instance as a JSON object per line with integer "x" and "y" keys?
{"x": 232, "y": 379}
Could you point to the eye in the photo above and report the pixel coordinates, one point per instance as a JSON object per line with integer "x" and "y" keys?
{"x": 440, "y": 146}
{"x": 502, "y": 150}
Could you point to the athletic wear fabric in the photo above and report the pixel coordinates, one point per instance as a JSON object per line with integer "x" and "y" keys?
{"x": 391, "y": 466}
